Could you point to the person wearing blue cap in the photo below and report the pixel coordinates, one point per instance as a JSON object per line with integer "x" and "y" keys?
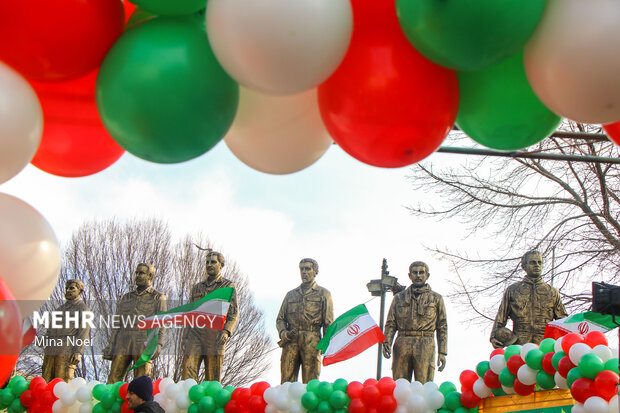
{"x": 140, "y": 396}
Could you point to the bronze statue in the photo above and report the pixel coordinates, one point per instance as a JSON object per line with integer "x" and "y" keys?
{"x": 304, "y": 311}
{"x": 205, "y": 344}
{"x": 417, "y": 314}
{"x": 126, "y": 341}
{"x": 530, "y": 304}
{"x": 64, "y": 346}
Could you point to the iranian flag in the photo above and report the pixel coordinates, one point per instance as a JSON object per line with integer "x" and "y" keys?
{"x": 349, "y": 335}
{"x": 208, "y": 312}
{"x": 581, "y": 323}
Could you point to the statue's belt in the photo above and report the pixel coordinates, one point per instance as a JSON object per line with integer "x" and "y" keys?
{"x": 414, "y": 333}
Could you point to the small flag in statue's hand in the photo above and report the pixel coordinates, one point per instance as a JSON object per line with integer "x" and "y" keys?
{"x": 581, "y": 323}
{"x": 349, "y": 335}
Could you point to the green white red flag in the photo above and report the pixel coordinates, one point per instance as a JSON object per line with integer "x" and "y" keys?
{"x": 349, "y": 335}
{"x": 581, "y": 323}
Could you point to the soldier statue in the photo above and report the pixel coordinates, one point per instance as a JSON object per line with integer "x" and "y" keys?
{"x": 418, "y": 313}
{"x": 304, "y": 311}
{"x": 205, "y": 344}
{"x": 530, "y": 304}
{"x": 126, "y": 340}
{"x": 65, "y": 345}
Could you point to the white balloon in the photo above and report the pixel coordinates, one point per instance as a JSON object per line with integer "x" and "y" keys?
{"x": 77, "y": 383}
{"x": 59, "y": 407}
{"x": 188, "y": 384}
{"x": 416, "y": 387}
{"x": 401, "y": 409}
{"x": 172, "y": 391}
{"x": 603, "y": 352}
{"x": 271, "y": 409}
{"x": 161, "y": 399}
{"x": 60, "y": 388}
{"x": 416, "y": 404}
{"x": 164, "y": 383}
{"x": 560, "y": 381}
{"x": 21, "y": 122}
{"x": 401, "y": 380}
{"x": 68, "y": 397}
{"x": 578, "y": 408}
{"x": 296, "y": 390}
{"x": 86, "y": 408}
{"x": 558, "y": 345}
{"x": 435, "y": 400}
{"x": 278, "y": 134}
{"x": 182, "y": 401}
{"x": 83, "y": 394}
{"x": 282, "y": 401}
{"x": 526, "y": 349}
{"x": 588, "y": 89}
{"x": 614, "y": 352}
{"x": 270, "y": 394}
{"x": 430, "y": 387}
{"x": 278, "y": 46}
{"x": 613, "y": 405}
{"x": 508, "y": 390}
{"x": 29, "y": 254}
{"x": 296, "y": 408}
{"x": 497, "y": 363}
{"x": 402, "y": 392}
{"x": 526, "y": 375}
{"x": 171, "y": 407}
{"x": 577, "y": 351}
{"x": 480, "y": 389}
{"x": 596, "y": 404}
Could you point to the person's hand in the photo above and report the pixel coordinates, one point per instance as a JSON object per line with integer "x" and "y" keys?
{"x": 441, "y": 362}
{"x": 289, "y": 335}
{"x": 387, "y": 350}
{"x": 157, "y": 351}
{"x": 222, "y": 337}
{"x": 496, "y": 343}
{"x": 75, "y": 359}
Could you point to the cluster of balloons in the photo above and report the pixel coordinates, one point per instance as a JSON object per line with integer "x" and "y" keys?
{"x": 285, "y": 397}
{"x": 84, "y": 80}
{"x": 36, "y": 395}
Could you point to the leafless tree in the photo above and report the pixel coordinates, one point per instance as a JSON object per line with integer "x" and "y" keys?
{"x": 104, "y": 254}
{"x": 568, "y": 210}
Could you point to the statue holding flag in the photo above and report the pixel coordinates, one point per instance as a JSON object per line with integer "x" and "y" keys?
{"x": 204, "y": 343}
{"x": 417, "y": 314}
{"x": 304, "y": 312}
{"x": 127, "y": 340}
{"x": 530, "y": 304}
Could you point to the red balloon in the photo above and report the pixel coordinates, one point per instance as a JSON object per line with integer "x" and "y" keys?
{"x": 386, "y": 386}
{"x": 372, "y": 13}
{"x": 595, "y": 338}
{"x": 496, "y": 352}
{"x": 156, "y": 386}
{"x": 582, "y": 388}
{"x": 491, "y": 380}
{"x": 122, "y": 392}
{"x": 26, "y": 398}
{"x": 467, "y": 379}
{"x": 53, "y": 383}
{"x": 522, "y": 389}
{"x": 75, "y": 142}
{"x": 37, "y": 384}
{"x": 370, "y": 382}
{"x": 10, "y": 332}
{"x": 357, "y": 406}
{"x": 48, "y": 398}
{"x": 129, "y": 9}
{"x": 564, "y": 366}
{"x": 371, "y": 395}
{"x": 514, "y": 362}
{"x": 241, "y": 394}
{"x": 387, "y": 404}
{"x": 569, "y": 340}
{"x": 606, "y": 383}
{"x": 257, "y": 404}
{"x": 125, "y": 408}
{"x": 613, "y": 131}
{"x": 354, "y": 390}
{"x": 233, "y": 406}
{"x": 259, "y": 388}
{"x": 53, "y": 40}
{"x": 469, "y": 399}
{"x": 386, "y": 105}
{"x": 547, "y": 364}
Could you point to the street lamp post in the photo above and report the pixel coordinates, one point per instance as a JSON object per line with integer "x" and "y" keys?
{"x": 378, "y": 288}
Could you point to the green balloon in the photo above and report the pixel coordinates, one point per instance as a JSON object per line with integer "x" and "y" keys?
{"x": 545, "y": 380}
{"x": 309, "y": 400}
{"x": 207, "y": 404}
{"x": 171, "y": 8}
{"x": 100, "y": 408}
{"x": 612, "y": 364}
{"x": 16, "y": 407}
{"x": 196, "y": 393}
{"x": 498, "y": 392}
{"x": 453, "y": 400}
{"x": 341, "y": 384}
{"x": 506, "y": 377}
{"x": 446, "y": 388}
{"x": 590, "y": 365}
{"x": 324, "y": 390}
{"x": 555, "y": 360}
{"x": 98, "y": 391}
{"x": 533, "y": 359}
{"x": 482, "y": 368}
{"x": 499, "y": 109}
{"x": 212, "y": 388}
{"x": 193, "y": 408}
{"x": 468, "y": 34}
{"x": 338, "y": 399}
{"x": 219, "y": 410}
{"x": 230, "y": 389}
{"x": 6, "y": 396}
{"x": 511, "y": 351}
{"x": 161, "y": 93}
{"x": 547, "y": 345}
{"x": 444, "y": 411}
{"x": 324, "y": 407}
{"x": 116, "y": 407}
{"x": 222, "y": 397}
{"x": 313, "y": 385}
{"x": 19, "y": 387}
{"x": 108, "y": 399}
{"x": 573, "y": 374}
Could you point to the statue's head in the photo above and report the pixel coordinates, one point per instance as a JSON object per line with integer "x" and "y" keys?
{"x": 144, "y": 275}
{"x": 214, "y": 263}
{"x": 532, "y": 263}
{"x": 73, "y": 289}
{"x": 418, "y": 273}
{"x": 308, "y": 269}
